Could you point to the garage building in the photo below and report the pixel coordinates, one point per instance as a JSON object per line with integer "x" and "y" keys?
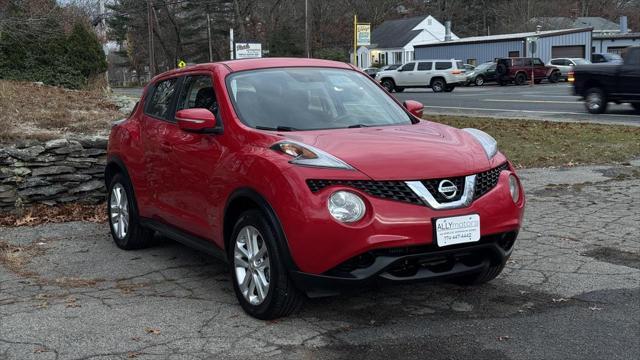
{"x": 574, "y": 43}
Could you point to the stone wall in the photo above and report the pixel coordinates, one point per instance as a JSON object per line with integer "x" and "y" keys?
{"x": 52, "y": 172}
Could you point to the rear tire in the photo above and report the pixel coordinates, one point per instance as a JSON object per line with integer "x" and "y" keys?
{"x": 520, "y": 79}
{"x": 268, "y": 292}
{"x": 595, "y": 101}
{"x": 554, "y": 77}
{"x": 438, "y": 85}
{"x": 479, "y": 80}
{"x": 481, "y": 277}
{"x": 388, "y": 84}
{"x": 124, "y": 221}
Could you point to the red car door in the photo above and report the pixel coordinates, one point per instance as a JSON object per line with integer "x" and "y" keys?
{"x": 157, "y": 130}
{"x": 540, "y": 70}
{"x": 192, "y": 191}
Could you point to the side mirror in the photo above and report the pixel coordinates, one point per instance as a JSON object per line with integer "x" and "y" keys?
{"x": 196, "y": 120}
{"x": 414, "y": 107}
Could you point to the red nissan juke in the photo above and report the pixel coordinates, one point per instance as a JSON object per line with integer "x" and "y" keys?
{"x": 308, "y": 178}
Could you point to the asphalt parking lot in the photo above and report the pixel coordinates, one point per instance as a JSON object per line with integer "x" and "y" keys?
{"x": 545, "y": 101}
{"x": 570, "y": 291}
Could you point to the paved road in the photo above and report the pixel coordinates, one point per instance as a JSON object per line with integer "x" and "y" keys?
{"x": 544, "y": 101}
{"x": 570, "y": 291}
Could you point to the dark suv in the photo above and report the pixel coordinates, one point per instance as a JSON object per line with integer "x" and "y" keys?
{"x": 519, "y": 70}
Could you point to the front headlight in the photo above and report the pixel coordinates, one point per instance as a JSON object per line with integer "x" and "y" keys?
{"x": 346, "y": 206}
{"x": 489, "y": 144}
{"x": 308, "y": 155}
{"x": 514, "y": 188}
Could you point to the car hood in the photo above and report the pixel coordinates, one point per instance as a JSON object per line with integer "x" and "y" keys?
{"x": 406, "y": 152}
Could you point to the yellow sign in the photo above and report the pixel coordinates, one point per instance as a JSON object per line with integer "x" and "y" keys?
{"x": 181, "y": 64}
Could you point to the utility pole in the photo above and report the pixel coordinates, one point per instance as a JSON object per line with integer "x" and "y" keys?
{"x": 306, "y": 28}
{"x": 209, "y": 38}
{"x": 152, "y": 57}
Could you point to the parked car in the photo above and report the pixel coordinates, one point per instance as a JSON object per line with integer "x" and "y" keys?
{"x": 371, "y": 71}
{"x": 308, "y": 178}
{"x": 483, "y": 73}
{"x": 518, "y": 71}
{"x": 600, "y": 84}
{"x": 565, "y": 65}
{"x": 598, "y": 58}
{"x": 439, "y": 75}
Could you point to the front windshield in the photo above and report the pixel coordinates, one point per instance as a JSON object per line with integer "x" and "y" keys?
{"x": 311, "y": 99}
{"x": 581, "y": 61}
{"x": 484, "y": 66}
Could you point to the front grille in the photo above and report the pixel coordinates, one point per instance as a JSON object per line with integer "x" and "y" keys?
{"x": 432, "y": 186}
{"x": 392, "y": 190}
{"x": 399, "y": 191}
{"x": 487, "y": 180}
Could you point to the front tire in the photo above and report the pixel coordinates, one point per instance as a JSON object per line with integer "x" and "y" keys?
{"x": 479, "y": 80}
{"x": 260, "y": 280}
{"x": 124, "y": 221}
{"x": 482, "y": 277}
{"x": 388, "y": 84}
{"x": 595, "y": 101}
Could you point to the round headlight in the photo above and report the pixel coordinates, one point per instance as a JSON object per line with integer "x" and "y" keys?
{"x": 514, "y": 188}
{"x": 346, "y": 206}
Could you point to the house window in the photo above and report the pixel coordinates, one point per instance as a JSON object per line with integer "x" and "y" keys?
{"x": 383, "y": 58}
{"x": 408, "y": 56}
{"x": 397, "y": 57}
{"x": 472, "y": 62}
{"x": 513, "y": 54}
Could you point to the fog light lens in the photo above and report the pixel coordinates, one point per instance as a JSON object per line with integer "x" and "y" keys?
{"x": 346, "y": 206}
{"x": 514, "y": 189}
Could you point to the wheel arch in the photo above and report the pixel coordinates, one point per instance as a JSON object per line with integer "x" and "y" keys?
{"x": 438, "y": 77}
{"x": 245, "y": 199}
{"x": 114, "y": 166}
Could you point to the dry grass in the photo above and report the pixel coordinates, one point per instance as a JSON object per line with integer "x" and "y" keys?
{"x": 29, "y": 111}
{"x": 44, "y": 214}
{"x": 532, "y": 143}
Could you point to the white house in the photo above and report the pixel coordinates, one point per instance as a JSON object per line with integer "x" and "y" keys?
{"x": 392, "y": 41}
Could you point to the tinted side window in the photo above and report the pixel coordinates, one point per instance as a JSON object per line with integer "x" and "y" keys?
{"x": 556, "y": 62}
{"x": 159, "y": 105}
{"x": 198, "y": 93}
{"x": 425, "y": 66}
{"x": 537, "y": 62}
{"x": 440, "y": 65}
{"x": 408, "y": 67}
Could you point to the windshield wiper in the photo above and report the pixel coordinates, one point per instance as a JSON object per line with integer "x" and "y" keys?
{"x": 277, "y": 128}
{"x": 357, "y": 126}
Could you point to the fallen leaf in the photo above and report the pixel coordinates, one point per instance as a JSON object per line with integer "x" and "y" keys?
{"x": 595, "y": 308}
{"x": 135, "y": 338}
{"x": 153, "y": 331}
{"x": 40, "y": 349}
{"x": 504, "y": 338}
{"x": 132, "y": 355}
{"x": 559, "y": 300}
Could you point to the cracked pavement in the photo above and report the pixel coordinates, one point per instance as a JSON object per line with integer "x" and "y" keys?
{"x": 571, "y": 290}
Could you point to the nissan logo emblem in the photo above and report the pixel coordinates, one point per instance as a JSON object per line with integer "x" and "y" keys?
{"x": 448, "y": 189}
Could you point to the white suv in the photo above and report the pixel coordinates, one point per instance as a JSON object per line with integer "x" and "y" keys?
{"x": 566, "y": 64}
{"x": 439, "y": 75}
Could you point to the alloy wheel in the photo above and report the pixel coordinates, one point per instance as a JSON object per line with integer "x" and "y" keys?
{"x": 252, "y": 267}
{"x": 119, "y": 211}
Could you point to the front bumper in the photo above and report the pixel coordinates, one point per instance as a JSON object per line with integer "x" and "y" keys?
{"x": 319, "y": 244}
{"x": 408, "y": 264}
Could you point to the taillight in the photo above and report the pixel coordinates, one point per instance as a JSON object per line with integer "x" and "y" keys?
{"x": 571, "y": 76}
{"x": 456, "y": 72}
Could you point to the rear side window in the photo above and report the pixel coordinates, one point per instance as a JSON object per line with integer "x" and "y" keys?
{"x": 425, "y": 66}
{"x": 538, "y": 62}
{"x": 159, "y": 105}
{"x": 441, "y": 65}
{"x": 408, "y": 67}
{"x": 557, "y": 62}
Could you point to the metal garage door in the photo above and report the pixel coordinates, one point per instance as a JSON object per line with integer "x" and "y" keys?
{"x": 576, "y": 51}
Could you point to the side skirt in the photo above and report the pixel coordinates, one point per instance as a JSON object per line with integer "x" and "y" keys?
{"x": 185, "y": 238}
